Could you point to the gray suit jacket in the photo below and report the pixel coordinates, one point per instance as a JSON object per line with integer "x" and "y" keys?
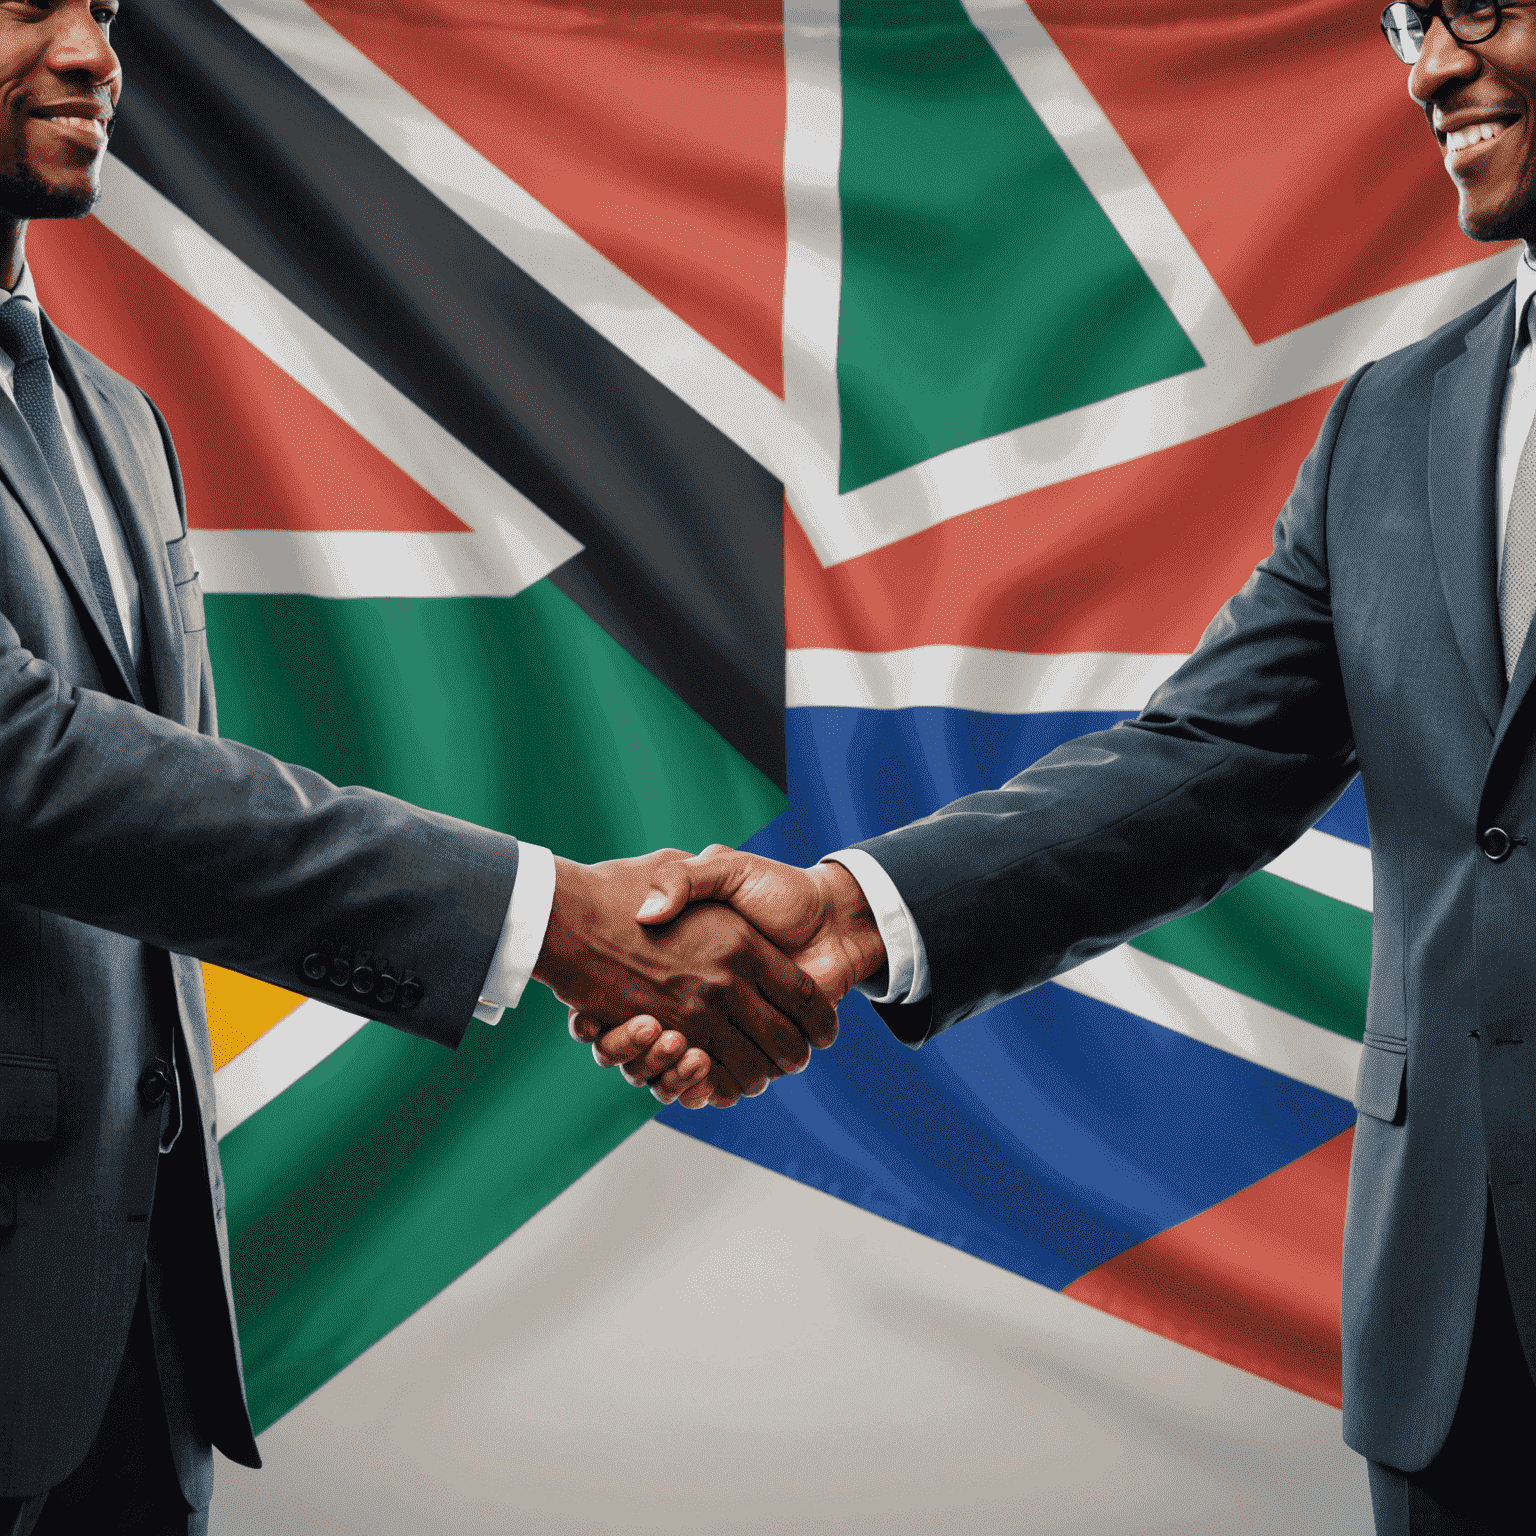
{"x": 133, "y": 843}
{"x": 1368, "y": 639}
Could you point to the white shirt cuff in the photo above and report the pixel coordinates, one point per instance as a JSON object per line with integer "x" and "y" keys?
{"x": 905, "y": 955}
{"x": 522, "y": 932}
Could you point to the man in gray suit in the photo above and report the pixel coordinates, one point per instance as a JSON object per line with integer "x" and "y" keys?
{"x": 134, "y": 843}
{"x": 1386, "y": 634}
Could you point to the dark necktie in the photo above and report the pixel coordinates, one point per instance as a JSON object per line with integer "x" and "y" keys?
{"x": 1517, "y": 574}
{"x": 21, "y": 334}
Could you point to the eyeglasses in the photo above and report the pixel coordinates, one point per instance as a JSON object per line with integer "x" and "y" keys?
{"x": 1468, "y": 21}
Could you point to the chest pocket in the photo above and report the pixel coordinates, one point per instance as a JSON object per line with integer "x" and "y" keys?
{"x": 189, "y": 590}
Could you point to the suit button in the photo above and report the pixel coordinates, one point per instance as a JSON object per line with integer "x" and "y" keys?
{"x": 314, "y": 967}
{"x": 155, "y": 1082}
{"x": 1496, "y": 843}
{"x": 384, "y": 989}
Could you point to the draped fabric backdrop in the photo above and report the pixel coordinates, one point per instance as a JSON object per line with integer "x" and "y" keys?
{"x": 666, "y": 421}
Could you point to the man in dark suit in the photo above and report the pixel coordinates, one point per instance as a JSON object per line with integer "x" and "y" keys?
{"x": 1387, "y": 633}
{"x": 134, "y": 843}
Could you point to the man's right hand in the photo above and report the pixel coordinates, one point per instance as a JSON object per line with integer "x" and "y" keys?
{"x": 709, "y": 976}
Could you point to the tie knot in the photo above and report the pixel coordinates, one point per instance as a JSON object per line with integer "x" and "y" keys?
{"x": 21, "y": 332}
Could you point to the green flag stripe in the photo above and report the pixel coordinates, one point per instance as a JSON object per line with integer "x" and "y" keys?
{"x": 388, "y": 1170}
{"x": 1281, "y": 944}
{"x": 983, "y": 286}
{"x": 392, "y": 1167}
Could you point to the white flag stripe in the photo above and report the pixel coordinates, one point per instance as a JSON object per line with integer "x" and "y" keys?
{"x": 1145, "y": 420}
{"x": 813, "y": 271}
{"x": 545, "y": 247}
{"x": 278, "y": 1059}
{"x": 1329, "y": 865}
{"x": 1217, "y": 1016}
{"x": 355, "y": 563}
{"x": 803, "y": 1365}
{"x": 970, "y": 677}
{"x": 513, "y": 545}
{"x": 1111, "y": 173}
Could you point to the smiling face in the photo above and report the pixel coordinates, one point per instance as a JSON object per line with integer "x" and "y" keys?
{"x": 59, "y": 84}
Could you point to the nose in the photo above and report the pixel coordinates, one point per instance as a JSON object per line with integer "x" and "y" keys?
{"x": 78, "y": 47}
{"x": 1444, "y": 62}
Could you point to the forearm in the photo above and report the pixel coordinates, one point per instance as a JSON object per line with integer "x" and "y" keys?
{"x": 126, "y": 821}
{"x": 1102, "y": 840}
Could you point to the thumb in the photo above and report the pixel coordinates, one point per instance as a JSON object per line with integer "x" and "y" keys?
{"x": 673, "y": 886}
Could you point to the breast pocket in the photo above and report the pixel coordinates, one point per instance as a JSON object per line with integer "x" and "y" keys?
{"x": 29, "y": 1098}
{"x": 189, "y": 589}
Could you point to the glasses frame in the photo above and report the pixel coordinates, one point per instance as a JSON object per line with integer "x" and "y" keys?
{"x": 1427, "y": 15}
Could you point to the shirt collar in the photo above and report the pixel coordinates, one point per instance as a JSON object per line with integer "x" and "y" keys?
{"x": 1525, "y": 287}
{"x": 26, "y": 289}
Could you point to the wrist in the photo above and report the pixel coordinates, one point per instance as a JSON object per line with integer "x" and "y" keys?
{"x": 849, "y": 916}
{"x": 552, "y": 967}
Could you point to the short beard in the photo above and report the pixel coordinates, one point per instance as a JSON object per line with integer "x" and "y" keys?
{"x": 1518, "y": 224}
{"x": 24, "y": 195}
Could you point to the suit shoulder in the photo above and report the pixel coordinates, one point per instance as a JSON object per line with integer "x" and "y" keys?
{"x": 1415, "y": 365}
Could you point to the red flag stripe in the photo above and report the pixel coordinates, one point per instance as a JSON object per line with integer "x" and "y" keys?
{"x": 655, "y": 130}
{"x": 1254, "y": 1281}
{"x": 1137, "y": 557}
{"x": 257, "y": 450}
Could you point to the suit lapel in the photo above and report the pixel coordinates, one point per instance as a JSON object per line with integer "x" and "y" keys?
{"x": 1463, "y": 479}
{"x": 121, "y": 458}
{"x": 31, "y": 481}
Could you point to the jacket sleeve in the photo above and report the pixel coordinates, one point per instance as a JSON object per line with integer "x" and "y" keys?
{"x": 1233, "y": 758}
{"x": 122, "y": 819}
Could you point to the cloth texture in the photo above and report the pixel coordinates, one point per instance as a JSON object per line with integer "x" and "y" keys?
{"x": 1481, "y": 1482}
{"x": 128, "y": 1482}
{"x": 1367, "y": 641}
{"x": 522, "y": 935}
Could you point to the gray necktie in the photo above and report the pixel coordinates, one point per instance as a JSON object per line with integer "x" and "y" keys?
{"x": 21, "y": 334}
{"x": 1517, "y": 575}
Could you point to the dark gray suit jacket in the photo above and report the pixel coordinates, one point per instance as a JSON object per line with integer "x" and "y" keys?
{"x": 131, "y": 841}
{"x": 1368, "y": 639}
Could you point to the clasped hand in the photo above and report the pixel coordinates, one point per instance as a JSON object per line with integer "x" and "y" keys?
{"x": 706, "y": 977}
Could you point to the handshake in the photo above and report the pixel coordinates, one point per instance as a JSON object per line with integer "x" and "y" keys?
{"x": 706, "y": 977}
